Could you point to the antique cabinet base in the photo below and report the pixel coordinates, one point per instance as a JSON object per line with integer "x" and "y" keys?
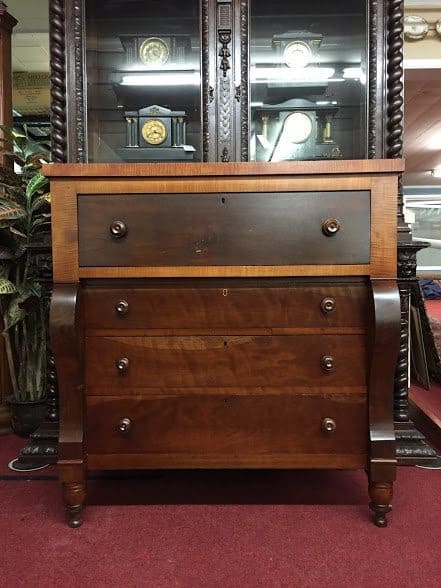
{"x": 226, "y": 316}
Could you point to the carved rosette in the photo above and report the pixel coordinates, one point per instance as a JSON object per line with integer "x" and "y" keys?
{"x": 58, "y": 81}
{"x": 407, "y": 262}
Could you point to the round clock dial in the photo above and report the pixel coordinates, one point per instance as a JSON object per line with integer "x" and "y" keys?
{"x": 154, "y": 52}
{"x": 297, "y": 54}
{"x": 154, "y": 132}
{"x": 297, "y": 127}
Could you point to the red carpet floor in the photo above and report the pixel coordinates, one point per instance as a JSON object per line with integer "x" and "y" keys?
{"x": 433, "y": 308}
{"x": 221, "y": 529}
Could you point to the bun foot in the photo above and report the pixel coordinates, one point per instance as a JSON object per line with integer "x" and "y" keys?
{"x": 381, "y": 520}
{"x": 74, "y": 495}
{"x": 75, "y": 517}
{"x": 381, "y": 496}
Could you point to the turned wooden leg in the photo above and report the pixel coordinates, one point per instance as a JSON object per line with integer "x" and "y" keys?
{"x": 74, "y": 495}
{"x": 381, "y": 497}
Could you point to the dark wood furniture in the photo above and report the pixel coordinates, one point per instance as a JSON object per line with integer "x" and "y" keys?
{"x": 248, "y": 76}
{"x": 265, "y": 337}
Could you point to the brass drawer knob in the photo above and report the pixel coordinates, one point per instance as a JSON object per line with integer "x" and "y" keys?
{"x": 118, "y": 229}
{"x": 328, "y": 425}
{"x": 331, "y": 227}
{"x": 124, "y": 426}
{"x": 122, "y": 365}
{"x": 122, "y": 307}
{"x": 327, "y": 363}
{"x": 327, "y": 305}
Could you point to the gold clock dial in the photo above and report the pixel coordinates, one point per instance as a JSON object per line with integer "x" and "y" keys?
{"x": 297, "y": 54}
{"x": 154, "y": 52}
{"x": 154, "y": 132}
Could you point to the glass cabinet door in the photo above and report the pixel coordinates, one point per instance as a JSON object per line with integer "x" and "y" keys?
{"x": 143, "y": 80}
{"x": 279, "y": 80}
{"x": 308, "y": 64}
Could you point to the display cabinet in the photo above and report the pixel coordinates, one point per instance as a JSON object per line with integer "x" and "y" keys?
{"x": 241, "y": 80}
{"x": 225, "y": 236}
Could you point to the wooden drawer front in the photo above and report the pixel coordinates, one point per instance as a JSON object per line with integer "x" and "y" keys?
{"x": 280, "y": 228}
{"x": 226, "y": 306}
{"x": 221, "y": 424}
{"x": 215, "y": 361}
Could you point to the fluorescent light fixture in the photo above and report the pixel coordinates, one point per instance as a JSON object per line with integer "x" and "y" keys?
{"x": 265, "y": 75}
{"x": 422, "y": 63}
{"x": 436, "y": 173}
{"x": 167, "y": 78}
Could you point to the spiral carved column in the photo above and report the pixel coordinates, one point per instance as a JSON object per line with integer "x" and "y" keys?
{"x": 44, "y": 442}
{"x": 411, "y": 447}
{"x": 58, "y": 80}
{"x": 43, "y": 446}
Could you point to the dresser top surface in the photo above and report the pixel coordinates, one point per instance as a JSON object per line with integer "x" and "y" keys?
{"x": 137, "y": 170}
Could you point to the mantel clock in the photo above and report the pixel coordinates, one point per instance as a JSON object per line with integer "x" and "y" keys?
{"x": 156, "y": 51}
{"x": 155, "y": 133}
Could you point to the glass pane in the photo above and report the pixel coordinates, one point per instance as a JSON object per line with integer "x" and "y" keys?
{"x": 423, "y": 214}
{"x": 308, "y": 96}
{"x": 143, "y": 80}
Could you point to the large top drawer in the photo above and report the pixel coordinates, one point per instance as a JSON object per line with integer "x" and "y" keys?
{"x": 220, "y": 229}
{"x": 224, "y": 220}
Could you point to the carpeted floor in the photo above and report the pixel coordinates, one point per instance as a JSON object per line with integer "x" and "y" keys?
{"x": 220, "y": 529}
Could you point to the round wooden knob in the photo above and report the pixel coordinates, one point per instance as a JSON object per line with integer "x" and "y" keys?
{"x": 331, "y": 227}
{"x": 327, "y": 305}
{"x": 328, "y": 425}
{"x": 122, "y": 307}
{"x": 327, "y": 363}
{"x": 122, "y": 365}
{"x": 124, "y": 426}
{"x": 118, "y": 229}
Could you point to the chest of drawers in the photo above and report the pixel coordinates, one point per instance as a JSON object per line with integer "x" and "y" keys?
{"x": 225, "y": 316}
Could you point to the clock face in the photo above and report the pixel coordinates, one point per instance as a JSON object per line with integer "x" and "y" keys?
{"x": 297, "y": 127}
{"x": 154, "y": 132}
{"x": 297, "y": 54}
{"x": 154, "y": 52}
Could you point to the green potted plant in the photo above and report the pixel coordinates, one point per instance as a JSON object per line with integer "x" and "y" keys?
{"x": 24, "y": 217}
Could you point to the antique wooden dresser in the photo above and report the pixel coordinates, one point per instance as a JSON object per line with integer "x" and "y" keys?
{"x": 227, "y": 206}
{"x": 225, "y": 316}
